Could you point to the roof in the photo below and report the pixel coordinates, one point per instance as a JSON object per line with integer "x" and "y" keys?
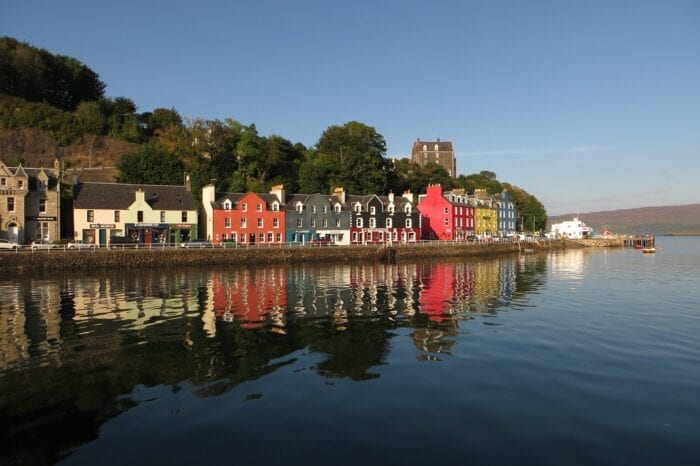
{"x": 442, "y": 145}
{"x": 121, "y": 196}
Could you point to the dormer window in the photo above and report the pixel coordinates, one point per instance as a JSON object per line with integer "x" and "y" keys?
{"x": 275, "y": 206}
{"x": 407, "y": 209}
{"x": 390, "y": 209}
{"x": 227, "y": 204}
{"x": 337, "y": 208}
{"x": 300, "y": 207}
{"x": 437, "y": 147}
{"x": 358, "y": 208}
{"x": 244, "y": 207}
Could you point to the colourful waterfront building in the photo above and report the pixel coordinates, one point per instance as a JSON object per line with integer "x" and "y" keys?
{"x": 446, "y": 216}
{"x": 148, "y": 213}
{"x": 507, "y": 215}
{"x": 318, "y": 218}
{"x": 485, "y": 213}
{"x": 244, "y": 218}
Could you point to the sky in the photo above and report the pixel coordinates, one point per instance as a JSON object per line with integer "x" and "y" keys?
{"x": 588, "y": 105}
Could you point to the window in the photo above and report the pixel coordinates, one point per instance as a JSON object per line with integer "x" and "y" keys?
{"x": 42, "y": 206}
{"x": 325, "y": 222}
{"x": 259, "y": 207}
{"x": 41, "y": 186}
{"x": 409, "y": 223}
{"x": 446, "y": 222}
{"x": 275, "y": 207}
{"x": 447, "y": 210}
{"x": 262, "y": 237}
{"x": 116, "y": 216}
{"x": 372, "y": 222}
{"x": 20, "y": 184}
{"x": 313, "y": 223}
{"x": 300, "y": 223}
{"x": 373, "y": 210}
{"x": 391, "y": 210}
{"x": 90, "y": 215}
{"x": 300, "y": 207}
{"x": 244, "y": 207}
{"x": 358, "y": 208}
{"x": 313, "y": 209}
{"x": 337, "y": 222}
{"x": 3, "y": 181}
{"x": 162, "y": 216}
{"x": 359, "y": 222}
{"x": 227, "y": 205}
{"x": 269, "y": 237}
{"x": 354, "y": 237}
{"x": 275, "y": 223}
{"x": 139, "y": 216}
{"x": 11, "y": 204}
{"x": 227, "y": 222}
{"x": 389, "y": 223}
{"x": 337, "y": 208}
{"x": 244, "y": 222}
{"x": 407, "y": 209}
{"x": 325, "y": 209}
{"x": 42, "y": 230}
{"x": 243, "y": 237}
{"x": 260, "y": 222}
{"x": 184, "y": 215}
{"x": 234, "y": 236}
{"x": 278, "y": 237}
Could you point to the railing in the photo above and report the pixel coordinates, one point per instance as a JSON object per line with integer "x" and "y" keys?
{"x": 224, "y": 246}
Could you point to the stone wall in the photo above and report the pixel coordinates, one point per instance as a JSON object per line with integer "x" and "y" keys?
{"x": 26, "y": 262}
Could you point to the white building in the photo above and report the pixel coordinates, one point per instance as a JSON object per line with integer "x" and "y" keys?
{"x": 571, "y": 229}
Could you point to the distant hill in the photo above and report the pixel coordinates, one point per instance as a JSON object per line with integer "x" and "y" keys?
{"x": 677, "y": 220}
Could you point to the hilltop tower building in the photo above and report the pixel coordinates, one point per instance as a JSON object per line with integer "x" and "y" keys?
{"x": 439, "y": 152}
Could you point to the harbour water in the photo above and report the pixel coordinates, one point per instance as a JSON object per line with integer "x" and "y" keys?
{"x": 570, "y": 357}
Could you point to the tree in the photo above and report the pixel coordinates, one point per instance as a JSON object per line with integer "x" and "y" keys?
{"x": 532, "y": 212}
{"x": 150, "y": 165}
{"x": 411, "y": 176}
{"x": 357, "y": 151}
{"x": 482, "y": 180}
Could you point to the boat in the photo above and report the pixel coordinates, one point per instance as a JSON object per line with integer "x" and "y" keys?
{"x": 650, "y": 250}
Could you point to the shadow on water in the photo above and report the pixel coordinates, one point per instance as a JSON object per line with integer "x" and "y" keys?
{"x": 75, "y": 348}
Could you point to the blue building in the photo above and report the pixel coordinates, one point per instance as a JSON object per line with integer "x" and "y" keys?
{"x": 507, "y": 215}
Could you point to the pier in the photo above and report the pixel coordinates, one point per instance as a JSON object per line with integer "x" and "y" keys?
{"x": 640, "y": 241}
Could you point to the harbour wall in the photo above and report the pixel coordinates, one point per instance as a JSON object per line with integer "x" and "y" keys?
{"x": 27, "y": 262}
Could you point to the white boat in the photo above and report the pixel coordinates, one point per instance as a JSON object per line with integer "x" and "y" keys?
{"x": 650, "y": 250}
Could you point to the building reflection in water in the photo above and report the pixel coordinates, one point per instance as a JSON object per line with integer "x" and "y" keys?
{"x": 433, "y": 298}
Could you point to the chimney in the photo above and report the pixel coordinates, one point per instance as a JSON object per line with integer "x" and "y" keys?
{"x": 140, "y": 196}
{"x": 391, "y": 196}
{"x": 208, "y": 198}
{"x": 278, "y": 190}
{"x": 188, "y": 183}
{"x": 408, "y": 195}
{"x": 340, "y": 193}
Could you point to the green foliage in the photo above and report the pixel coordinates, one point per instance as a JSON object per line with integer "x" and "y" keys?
{"x": 150, "y": 165}
{"x": 39, "y": 76}
{"x": 353, "y": 156}
{"x": 532, "y": 212}
{"x": 482, "y": 180}
{"x": 409, "y": 176}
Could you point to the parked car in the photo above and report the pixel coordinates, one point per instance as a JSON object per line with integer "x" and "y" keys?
{"x": 196, "y": 243}
{"x": 321, "y": 242}
{"x": 42, "y": 244}
{"x": 80, "y": 244}
{"x": 121, "y": 242}
{"x": 7, "y": 244}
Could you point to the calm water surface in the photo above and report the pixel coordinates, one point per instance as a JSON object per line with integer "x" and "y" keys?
{"x": 576, "y": 357}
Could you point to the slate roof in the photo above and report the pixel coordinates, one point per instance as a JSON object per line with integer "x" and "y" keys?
{"x": 121, "y": 196}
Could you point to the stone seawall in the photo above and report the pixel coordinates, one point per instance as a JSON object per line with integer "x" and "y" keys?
{"x": 26, "y": 262}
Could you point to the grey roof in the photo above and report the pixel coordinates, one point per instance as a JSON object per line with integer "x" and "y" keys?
{"x": 121, "y": 196}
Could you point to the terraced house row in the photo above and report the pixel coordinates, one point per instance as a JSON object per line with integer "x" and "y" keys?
{"x": 156, "y": 214}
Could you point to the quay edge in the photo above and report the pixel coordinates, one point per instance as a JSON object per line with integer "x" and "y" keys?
{"x": 25, "y": 262}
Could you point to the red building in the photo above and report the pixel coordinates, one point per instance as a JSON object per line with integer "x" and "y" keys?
{"x": 446, "y": 216}
{"x": 245, "y": 218}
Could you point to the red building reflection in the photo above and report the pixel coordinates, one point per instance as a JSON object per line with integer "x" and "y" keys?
{"x": 445, "y": 288}
{"x": 253, "y": 297}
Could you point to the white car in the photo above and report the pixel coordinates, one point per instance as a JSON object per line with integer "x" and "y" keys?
{"x": 80, "y": 244}
{"x": 6, "y": 244}
{"x": 42, "y": 244}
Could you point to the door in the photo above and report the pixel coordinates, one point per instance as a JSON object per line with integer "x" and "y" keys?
{"x": 252, "y": 238}
{"x": 13, "y": 232}
{"x": 103, "y": 237}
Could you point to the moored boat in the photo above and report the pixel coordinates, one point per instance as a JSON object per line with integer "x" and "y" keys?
{"x": 649, "y": 250}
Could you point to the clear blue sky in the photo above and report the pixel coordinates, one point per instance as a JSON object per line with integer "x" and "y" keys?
{"x": 588, "y": 105}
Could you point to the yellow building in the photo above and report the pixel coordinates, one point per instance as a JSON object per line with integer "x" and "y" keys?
{"x": 485, "y": 213}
